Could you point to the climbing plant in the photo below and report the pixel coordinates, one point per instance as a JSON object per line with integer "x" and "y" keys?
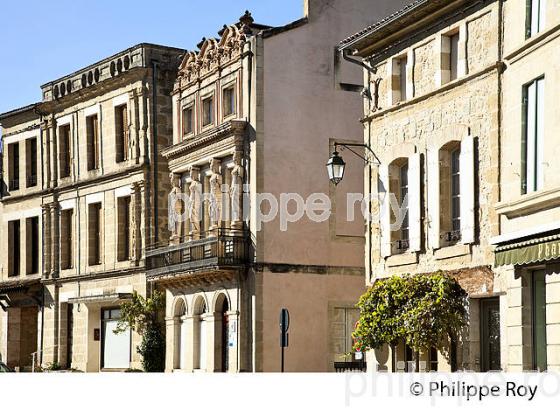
{"x": 141, "y": 315}
{"x": 423, "y": 310}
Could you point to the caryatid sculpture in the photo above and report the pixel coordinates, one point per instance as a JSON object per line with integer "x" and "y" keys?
{"x": 195, "y": 196}
{"x": 175, "y": 207}
{"x": 215, "y": 200}
{"x": 236, "y": 191}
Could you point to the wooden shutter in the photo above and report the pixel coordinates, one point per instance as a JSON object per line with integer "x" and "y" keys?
{"x": 414, "y": 203}
{"x": 434, "y": 237}
{"x": 96, "y": 152}
{"x": 466, "y": 163}
{"x": 385, "y": 210}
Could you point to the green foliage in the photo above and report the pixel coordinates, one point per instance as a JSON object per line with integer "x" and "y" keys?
{"x": 52, "y": 367}
{"x": 141, "y": 315}
{"x": 422, "y": 310}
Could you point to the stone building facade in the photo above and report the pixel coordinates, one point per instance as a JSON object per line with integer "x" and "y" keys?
{"x": 527, "y": 253}
{"x": 257, "y": 111}
{"x": 76, "y": 234}
{"x": 433, "y": 72}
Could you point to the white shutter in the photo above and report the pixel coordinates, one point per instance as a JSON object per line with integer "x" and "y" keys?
{"x": 414, "y": 183}
{"x": 467, "y": 189}
{"x": 433, "y": 198}
{"x": 384, "y": 210}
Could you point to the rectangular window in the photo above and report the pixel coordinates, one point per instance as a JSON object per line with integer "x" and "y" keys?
{"x": 539, "y": 321}
{"x": 123, "y": 228}
{"x": 207, "y": 111}
{"x": 402, "y": 64}
{"x": 14, "y": 246}
{"x": 121, "y": 133}
{"x": 228, "y": 101}
{"x": 32, "y": 245}
{"x": 31, "y": 162}
{"x": 92, "y": 129}
{"x": 13, "y": 166}
{"x": 535, "y": 17}
{"x": 533, "y": 136}
{"x": 456, "y": 192}
{"x": 453, "y": 56}
{"x": 433, "y": 360}
{"x": 64, "y": 150}
{"x": 66, "y": 238}
{"x": 95, "y": 234}
{"x": 403, "y": 178}
{"x": 188, "y": 120}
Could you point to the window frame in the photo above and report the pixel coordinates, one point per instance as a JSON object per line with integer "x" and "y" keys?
{"x": 232, "y": 100}
{"x": 93, "y": 142}
{"x": 187, "y": 132}
{"x": 211, "y": 113}
{"x": 532, "y": 138}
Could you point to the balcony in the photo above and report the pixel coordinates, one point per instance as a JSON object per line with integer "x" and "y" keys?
{"x": 213, "y": 258}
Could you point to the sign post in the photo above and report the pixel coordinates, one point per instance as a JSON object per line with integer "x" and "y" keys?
{"x": 284, "y": 326}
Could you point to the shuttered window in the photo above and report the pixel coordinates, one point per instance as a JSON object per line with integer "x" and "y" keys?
{"x": 121, "y": 133}
{"x": 92, "y": 130}
{"x": 532, "y": 136}
{"x": 94, "y": 234}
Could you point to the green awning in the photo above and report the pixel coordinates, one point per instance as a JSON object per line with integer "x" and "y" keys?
{"x": 531, "y": 251}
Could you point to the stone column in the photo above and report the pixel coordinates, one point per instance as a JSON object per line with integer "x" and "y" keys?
{"x": 213, "y": 338}
{"x": 55, "y": 265}
{"x": 236, "y": 192}
{"x": 233, "y": 320}
{"x": 132, "y": 126}
{"x": 141, "y": 137}
{"x": 171, "y": 338}
{"x": 47, "y": 241}
{"x": 45, "y": 167}
{"x": 175, "y": 209}
{"x": 136, "y": 205}
{"x": 191, "y": 343}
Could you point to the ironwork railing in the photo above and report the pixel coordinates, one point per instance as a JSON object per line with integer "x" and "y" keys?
{"x": 343, "y": 367}
{"x": 223, "y": 248}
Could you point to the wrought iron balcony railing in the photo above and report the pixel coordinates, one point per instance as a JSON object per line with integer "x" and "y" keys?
{"x": 220, "y": 250}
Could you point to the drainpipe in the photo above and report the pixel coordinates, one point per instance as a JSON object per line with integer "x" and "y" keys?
{"x": 154, "y": 149}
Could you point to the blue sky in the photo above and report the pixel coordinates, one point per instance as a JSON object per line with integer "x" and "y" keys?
{"x": 43, "y": 40}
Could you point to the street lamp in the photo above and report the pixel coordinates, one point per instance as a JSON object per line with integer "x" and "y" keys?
{"x": 335, "y": 164}
{"x": 335, "y": 168}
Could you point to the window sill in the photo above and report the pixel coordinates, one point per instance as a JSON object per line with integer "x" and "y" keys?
{"x": 408, "y": 258}
{"x": 452, "y": 251}
{"x": 529, "y": 203}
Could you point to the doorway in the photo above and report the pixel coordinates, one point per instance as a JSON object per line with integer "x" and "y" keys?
{"x": 490, "y": 335}
{"x": 115, "y": 348}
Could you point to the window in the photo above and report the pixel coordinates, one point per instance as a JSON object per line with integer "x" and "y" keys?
{"x": 402, "y": 244}
{"x": 188, "y": 120}
{"x": 92, "y": 128}
{"x": 64, "y": 150}
{"x": 14, "y": 248}
{"x": 535, "y": 17}
{"x": 456, "y": 192}
{"x": 343, "y": 325}
{"x": 66, "y": 238}
{"x": 533, "y": 136}
{"x": 95, "y": 234}
{"x": 539, "y": 320}
{"x": 228, "y": 101}
{"x": 123, "y": 228}
{"x": 32, "y": 245}
{"x": 31, "y": 163}
{"x": 121, "y": 133}
{"x": 453, "y": 56}
{"x": 399, "y": 79}
{"x": 207, "y": 111}
{"x": 13, "y": 166}
{"x": 433, "y": 360}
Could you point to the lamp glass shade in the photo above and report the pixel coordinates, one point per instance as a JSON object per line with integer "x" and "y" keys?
{"x": 335, "y": 168}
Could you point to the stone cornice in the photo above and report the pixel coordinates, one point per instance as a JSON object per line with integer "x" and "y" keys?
{"x": 233, "y": 127}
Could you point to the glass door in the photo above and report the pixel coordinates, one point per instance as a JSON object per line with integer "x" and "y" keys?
{"x": 490, "y": 334}
{"x": 539, "y": 320}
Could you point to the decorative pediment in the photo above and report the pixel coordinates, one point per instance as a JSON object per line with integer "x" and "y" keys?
{"x": 214, "y": 53}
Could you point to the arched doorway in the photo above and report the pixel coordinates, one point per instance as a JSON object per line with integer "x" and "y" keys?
{"x": 201, "y": 352}
{"x": 225, "y": 336}
{"x": 180, "y": 358}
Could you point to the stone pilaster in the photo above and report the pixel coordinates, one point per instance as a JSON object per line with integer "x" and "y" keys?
{"x": 53, "y": 154}
{"x": 47, "y": 241}
{"x": 136, "y": 225}
{"x": 55, "y": 229}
